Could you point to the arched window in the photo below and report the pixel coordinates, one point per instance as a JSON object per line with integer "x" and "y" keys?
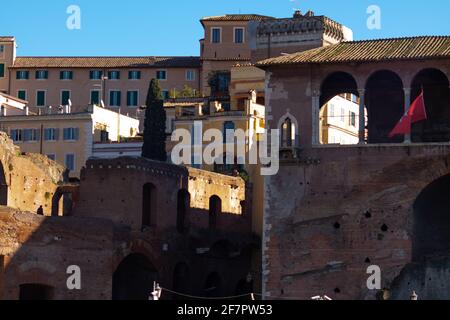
{"x": 288, "y": 132}
{"x": 183, "y": 204}
{"x": 215, "y": 209}
{"x": 148, "y": 205}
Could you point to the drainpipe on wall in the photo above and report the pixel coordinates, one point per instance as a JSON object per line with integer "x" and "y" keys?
{"x": 41, "y": 140}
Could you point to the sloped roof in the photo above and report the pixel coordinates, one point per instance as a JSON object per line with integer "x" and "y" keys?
{"x": 107, "y": 62}
{"x": 236, "y": 17}
{"x": 425, "y": 47}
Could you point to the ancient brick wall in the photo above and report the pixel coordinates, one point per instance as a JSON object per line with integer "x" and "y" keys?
{"x": 337, "y": 210}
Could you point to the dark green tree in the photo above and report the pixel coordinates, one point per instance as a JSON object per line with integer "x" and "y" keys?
{"x": 155, "y": 124}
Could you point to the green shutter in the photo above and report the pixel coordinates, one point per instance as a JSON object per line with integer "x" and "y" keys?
{"x": 2, "y": 70}
{"x": 65, "y": 96}
{"x": 22, "y": 94}
{"x": 41, "y": 98}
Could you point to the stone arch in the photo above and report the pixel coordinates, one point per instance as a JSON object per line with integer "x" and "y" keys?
{"x": 181, "y": 276}
{"x": 436, "y": 89}
{"x": 183, "y": 207}
{"x": 215, "y": 210}
{"x": 134, "y": 277}
{"x": 213, "y": 286}
{"x": 385, "y": 103}
{"x": 288, "y": 126}
{"x": 339, "y": 109}
{"x": 149, "y": 204}
{"x": 69, "y": 195}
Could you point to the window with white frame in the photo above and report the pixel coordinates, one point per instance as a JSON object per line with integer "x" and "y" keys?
{"x": 51, "y": 134}
{"x": 134, "y": 75}
{"x": 66, "y": 75}
{"x": 161, "y": 75}
{"x": 114, "y": 75}
{"x": 41, "y": 74}
{"x": 16, "y": 135}
{"x": 132, "y": 98}
{"x": 40, "y": 98}
{"x": 115, "y": 98}
{"x": 95, "y": 74}
{"x": 70, "y": 161}
{"x": 239, "y": 35}
{"x": 30, "y": 135}
{"x": 190, "y": 75}
{"x": 216, "y": 35}
{"x": 22, "y": 94}
{"x": 22, "y": 75}
{"x": 70, "y": 134}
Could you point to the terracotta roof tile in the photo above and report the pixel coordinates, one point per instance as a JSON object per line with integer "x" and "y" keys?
{"x": 237, "y": 17}
{"x": 107, "y": 62}
{"x": 369, "y": 50}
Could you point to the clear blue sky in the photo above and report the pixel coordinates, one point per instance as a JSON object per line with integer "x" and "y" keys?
{"x": 171, "y": 27}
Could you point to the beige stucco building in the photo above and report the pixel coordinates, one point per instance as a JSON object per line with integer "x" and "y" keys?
{"x": 67, "y": 137}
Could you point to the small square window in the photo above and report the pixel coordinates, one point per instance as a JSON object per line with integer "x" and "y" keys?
{"x": 216, "y": 35}
{"x": 41, "y": 74}
{"x": 190, "y": 75}
{"x": 66, "y": 75}
{"x": 114, "y": 75}
{"x": 95, "y": 74}
{"x": 161, "y": 75}
{"x": 134, "y": 75}
{"x": 22, "y": 75}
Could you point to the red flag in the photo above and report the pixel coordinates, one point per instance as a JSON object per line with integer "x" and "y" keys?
{"x": 417, "y": 111}
{"x": 403, "y": 127}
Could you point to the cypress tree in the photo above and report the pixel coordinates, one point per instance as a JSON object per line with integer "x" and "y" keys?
{"x": 155, "y": 124}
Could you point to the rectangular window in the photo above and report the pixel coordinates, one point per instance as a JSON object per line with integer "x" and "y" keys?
{"x": 353, "y": 119}
{"x": 2, "y": 48}
{"x": 51, "y": 156}
{"x": 70, "y": 161}
{"x": 41, "y": 74}
{"x": 22, "y": 75}
{"x": 51, "y": 134}
{"x": 239, "y": 35}
{"x": 161, "y": 75}
{"x": 40, "y": 98}
{"x": 216, "y": 35}
{"x": 65, "y": 97}
{"x": 71, "y": 134}
{"x": 95, "y": 97}
{"x": 95, "y": 74}
{"x": 165, "y": 94}
{"x": 190, "y": 75}
{"x": 30, "y": 135}
{"x": 104, "y": 136}
{"x": 2, "y": 70}
{"x": 132, "y": 98}
{"x": 22, "y": 94}
{"x": 134, "y": 75}
{"x": 115, "y": 98}
{"x": 114, "y": 75}
{"x": 331, "y": 110}
{"x": 342, "y": 115}
{"x": 16, "y": 135}
{"x": 66, "y": 75}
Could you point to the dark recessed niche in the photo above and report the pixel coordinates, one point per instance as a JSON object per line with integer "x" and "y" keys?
{"x": 337, "y": 290}
{"x": 368, "y": 215}
{"x": 367, "y": 260}
{"x": 337, "y": 225}
{"x": 384, "y": 228}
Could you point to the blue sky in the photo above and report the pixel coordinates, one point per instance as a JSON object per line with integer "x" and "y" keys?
{"x": 171, "y": 27}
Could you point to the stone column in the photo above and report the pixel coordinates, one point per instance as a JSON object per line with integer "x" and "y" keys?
{"x": 362, "y": 116}
{"x": 315, "y": 117}
{"x": 407, "y": 105}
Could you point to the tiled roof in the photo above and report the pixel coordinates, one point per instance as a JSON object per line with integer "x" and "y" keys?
{"x": 107, "y": 62}
{"x": 237, "y": 17}
{"x": 369, "y": 50}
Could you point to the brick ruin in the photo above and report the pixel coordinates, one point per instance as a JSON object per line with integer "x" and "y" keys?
{"x": 128, "y": 223}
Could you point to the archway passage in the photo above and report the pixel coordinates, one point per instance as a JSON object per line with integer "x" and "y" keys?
{"x": 134, "y": 278}
{"x": 3, "y": 187}
{"x": 181, "y": 280}
{"x": 35, "y": 292}
{"x": 215, "y": 209}
{"x": 431, "y": 231}
{"x": 339, "y": 113}
{"x": 213, "y": 286}
{"x": 148, "y": 205}
{"x": 183, "y": 205}
{"x": 385, "y": 102}
{"x": 435, "y": 85}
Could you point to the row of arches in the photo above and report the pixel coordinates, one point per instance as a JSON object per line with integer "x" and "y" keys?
{"x": 384, "y": 100}
{"x": 149, "y": 208}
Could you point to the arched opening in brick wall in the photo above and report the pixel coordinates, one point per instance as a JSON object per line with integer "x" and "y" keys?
{"x": 183, "y": 205}
{"x": 215, "y": 209}
{"x": 148, "y": 205}
{"x": 385, "y": 102}
{"x": 181, "y": 280}
{"x": 339, "y": 113}
{"x": 431, "y": 230}
{"x": 3, "y": 187}
{"x": 213, "y": 286}
{"x": 436, "y": 90}
{"x": 35, "y": 292}
{"x": 66, "y": 197}
{"x": 134, "y": 278}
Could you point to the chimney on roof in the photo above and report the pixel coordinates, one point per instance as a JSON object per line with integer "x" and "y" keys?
{"x": 297, "y": 14}
{"x": 309, "y": 13}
